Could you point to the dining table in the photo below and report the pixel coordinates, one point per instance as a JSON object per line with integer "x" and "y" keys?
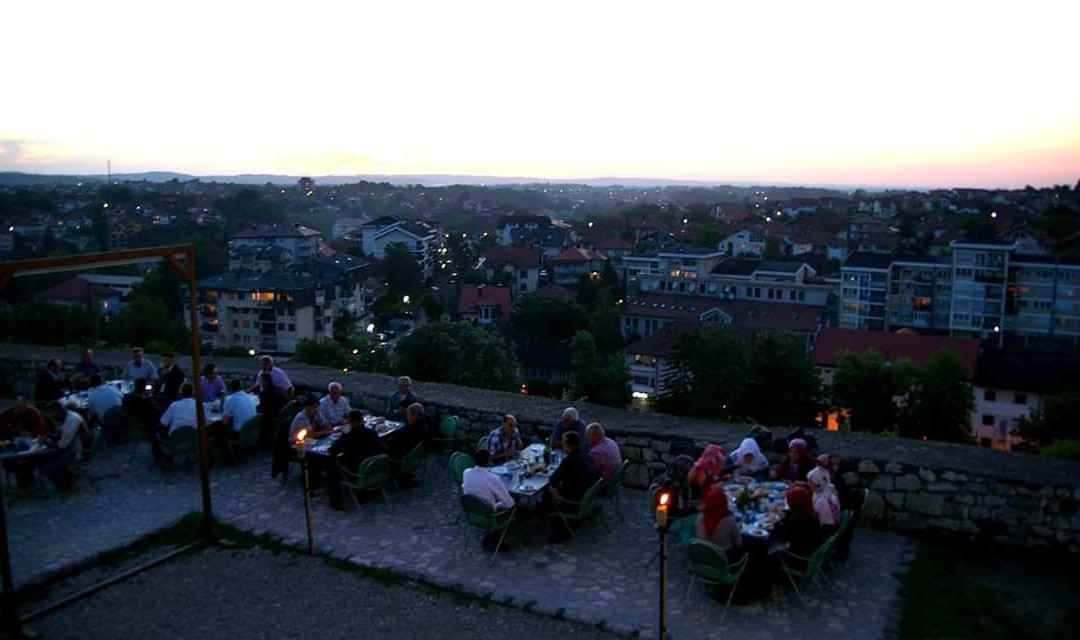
{"x": 526, "y": 477}
{"x": 382, "y": 426}
{"x": 80, "y": 400}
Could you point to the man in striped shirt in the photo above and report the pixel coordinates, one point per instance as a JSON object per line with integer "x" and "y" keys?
{"x": 334, "y": 407}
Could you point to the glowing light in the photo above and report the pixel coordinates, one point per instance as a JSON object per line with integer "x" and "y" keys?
{"x": 251, "y": 352}
{"x": 300, "y": 435}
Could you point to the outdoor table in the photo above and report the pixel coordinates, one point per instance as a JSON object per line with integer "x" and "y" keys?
{"x": 80, "y": 400}
{"x": 215, "y": 410}
{"x": 528, "y": 493}
{"x": 30, "y": 458}
{"x": 382, "y": 426}
{"x": 756, "y": 520}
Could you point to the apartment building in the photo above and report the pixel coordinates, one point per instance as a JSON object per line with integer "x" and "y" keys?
{"x": 300, "y": 241}
{"x": 420, "y": 239}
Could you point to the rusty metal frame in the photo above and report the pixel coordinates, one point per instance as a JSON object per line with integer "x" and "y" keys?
{"x": 182, "y": 259}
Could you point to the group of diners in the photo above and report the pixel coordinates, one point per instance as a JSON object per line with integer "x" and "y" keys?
{"x": 49, "y": 442}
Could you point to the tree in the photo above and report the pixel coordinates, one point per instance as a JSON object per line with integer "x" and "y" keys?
{"x": 1054, "y": 421}
{"x": 943, "y": 400}
{"x": 246, "y": 208}
{"x": 325, "y": 353}
{"x": 459, "y": 353}
{"x": 868, "y": 386}
{"x": 781, "y": 387}
{"x": 403, "y": 275}
{"x": 707, "y": 370}
{"x": 607, "y": 323}
{"x": 549, "y": 319}
{"x": 774, "y": 248}
{"x": 143, "y": 319}
{"x": 595, "y": 379}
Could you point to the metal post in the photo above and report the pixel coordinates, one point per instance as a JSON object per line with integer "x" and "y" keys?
{"x": 200, "y": 413}
{"x": 11, "y": 625}
{"x": 307, "y": 505}
{"x": 663, "y": 583}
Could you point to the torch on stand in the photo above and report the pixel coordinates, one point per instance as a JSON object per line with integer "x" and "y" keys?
{"x": 663, "y": 498}
{"x": 301, "y": 449}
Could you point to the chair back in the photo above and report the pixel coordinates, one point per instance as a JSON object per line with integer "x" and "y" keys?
{"x": 374, "y": 472}
{"x": 482, "y": 443}
{"x": 588, "y": 501}
{"x": 817, "y": 559}
{"x": 611, "y": 487}
{"x": 478, "y": 513}
{"x": 709, "y": 562}
{"x": 410, "y": 464}
{"x": 459, "y": 462}
{"x": 448, "y": 428}
{"x": 91, "y": 444}
{"x": 249, "y": 432}
{"x": 183, "y": 440}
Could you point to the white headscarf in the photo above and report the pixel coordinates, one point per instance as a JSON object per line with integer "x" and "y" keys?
{"x": 749, "y": 446}
{"x": 826, "y": 500}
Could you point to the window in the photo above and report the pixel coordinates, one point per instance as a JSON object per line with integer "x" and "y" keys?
{"x": 246, "y": 324}
{"x": 990, "y": 395}
{"x": 292, "y": 327}
{"x": 791, "y": 294}
{"x": 988, "y": 421}
{"x": 770, "y": 294}
{"x": 1020, "y": 398}
{"x": 802, "y": 296}
{"x": 236, "y": 324}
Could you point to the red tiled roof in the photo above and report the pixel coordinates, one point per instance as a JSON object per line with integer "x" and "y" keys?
{"x": 521, "y": 257}
{"x": 662, "y": 343}
{"x": 892, "y": 346}
{"x": 615, "y": 243}
{"x": 746, "y": 314}
{"x": 555, "y": 292}
{"x": 472, "y": 297}
{"x": 577, "y": 254}
{"x": 78, "y": 290}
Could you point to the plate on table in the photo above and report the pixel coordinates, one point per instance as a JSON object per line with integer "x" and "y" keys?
{"x": 757, "y": 533}
{"x": 500, "y": 470}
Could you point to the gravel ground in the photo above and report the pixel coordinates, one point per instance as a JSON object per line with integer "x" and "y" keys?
{"x": 255, "y": 593}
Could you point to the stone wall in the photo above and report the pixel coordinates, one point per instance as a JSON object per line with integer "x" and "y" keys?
{"x": 1012, "y": 499}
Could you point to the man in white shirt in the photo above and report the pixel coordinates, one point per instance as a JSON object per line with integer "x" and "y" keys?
{"x": 311, "y": 420}
{"x": 479, "y": 481}
{"x": 181, "y": 413}
{"x": 68, "y": 443}
{"x": 334, "y": 407}
{"x": 238, "y": 407}
{"x": 102, "y": 397}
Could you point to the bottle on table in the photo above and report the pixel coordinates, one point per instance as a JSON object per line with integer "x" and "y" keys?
{"x": 547, "y": 454}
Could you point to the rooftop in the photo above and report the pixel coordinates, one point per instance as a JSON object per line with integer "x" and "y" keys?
{"x": 77, "y": 290}
{"x": 892, "y": 346}
{"x": 277, "y": 231}
{"x": 472, "y": 297}
{"x": 868, "y": 260}
{"x": 499, "y": 256}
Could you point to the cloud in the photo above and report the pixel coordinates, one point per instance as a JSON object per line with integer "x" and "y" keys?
{"x": 11, "y": 151}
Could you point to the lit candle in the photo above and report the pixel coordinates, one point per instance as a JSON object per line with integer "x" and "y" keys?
{"x": 300, "y": 448}
{"x": 661, "y": 511}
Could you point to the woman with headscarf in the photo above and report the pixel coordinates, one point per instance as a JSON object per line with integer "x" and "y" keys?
{"x": 708, "y": 470}
{"x": 749, "y": 461}
{"x": 826, "y": 500}
{"x": 716, "y": 524}
{"x": 796, "y": 464}
{"x": 800, "y": 528}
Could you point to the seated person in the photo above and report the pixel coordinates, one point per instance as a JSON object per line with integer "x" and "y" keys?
{"x": 826, "y": 500}
{"x": 708, "y": 470}
{"x": 334, "y": 407}
{"x": 271, "y": 401}
{"x": 575, "y": 475}
{"x": 603, "y": 450}
{"x": 748, "y": 461}
{"x": 21, "y": 419}
{"x": 84, "y": 369}
{"x": 140, "y": 367}
{"x": 137, "y": 404}
{"x": 309, "y": 419}
{"x": 480, "y": 482}
{"x": 50, "y": 383}
{"x": 277, "y": 377}
{"x": 237, "y": 409}
{"x": 796, "y": 464}
{"x": 101, "y": 398}
{"x": 68, "y": 441}
{"x": 211, "y": 385}
{"x": 354, "y": 446}
{"x": 418, "y": 428}
{"x": 181, "y": 413}
{"x": 717, "y": 525}
{"x": 570, "y": 421}
{"x": 800, "y": 528}
{"x": 674, "y": 481}
{"x": 400, "y": 399}
{"x": 172, "y": 376}
{"x": 504, "y": 442}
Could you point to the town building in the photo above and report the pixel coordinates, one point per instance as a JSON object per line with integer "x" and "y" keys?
{"x": 573, "y": 263}
{"x": 94, "y": 299}
{"x": 483, "y": 305}
{"x": 301, "y": 242}
{"x": 517, "y": 267}
{"x": 421, "y": 240}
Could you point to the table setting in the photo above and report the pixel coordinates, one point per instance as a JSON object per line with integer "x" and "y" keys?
{"x": 380, "y": 425}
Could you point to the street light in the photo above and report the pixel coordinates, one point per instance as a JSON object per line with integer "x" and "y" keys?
{"x": 405, "y": 299}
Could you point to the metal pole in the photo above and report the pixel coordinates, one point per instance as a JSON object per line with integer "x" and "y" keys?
{"x": 307, "y": 506}
{"x": 663, "y": 583}
{"x": 200, "y": 413}
{"x": 11, "y": 625}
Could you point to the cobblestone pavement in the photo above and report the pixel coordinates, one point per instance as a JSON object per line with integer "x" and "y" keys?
{"x": 600, "y": 577}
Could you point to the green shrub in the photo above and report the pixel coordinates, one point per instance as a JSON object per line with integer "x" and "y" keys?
{"x": 1067, "y": 449}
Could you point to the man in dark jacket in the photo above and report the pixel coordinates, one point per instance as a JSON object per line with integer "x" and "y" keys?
{"x": 50, "y": 384}
{"x": 172, "y": 376}
{"x": 271, "y": 401}
{"x": 359, "y": 444}
{"x": 575, "y": 475}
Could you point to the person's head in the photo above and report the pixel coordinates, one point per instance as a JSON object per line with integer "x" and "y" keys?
{"x": 509, "y": 423}
{"x": 169, "y": 359}
{"x": 87, "y": 356}
{"x": 187, "y": 390}
{"x": 830, "y": 463}
{"x": 571, "y": 441}
{"x": 56, "y": 410}
{"x": 267, "y": 363}
{"x": 54, "y": 365}
{"x": 96, "y": 381}
{"x": 334, "y": 391}
{"x": 818, "y": 479}
{"x": 569, "y": 417}
{"x": 594, "y": 433}
{"x": 797, "y": 449}
{"x": 137, "y": 355}
{"x": 311, "y": 406}
{"x": 414, "y": 412}
{"x": 404, "y": 385}
{"x": 235, "y": 385}
{"x": 748, "y": 451}
{"x": 266, "y": 380}
{"x": 356, "y": 418}
{"x": 482, "y": 458}
{"x": 800, "y": 501}
{"x": 210, "y": 371}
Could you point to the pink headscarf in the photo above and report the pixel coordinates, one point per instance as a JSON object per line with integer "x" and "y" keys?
{"x": 712, "y": 460}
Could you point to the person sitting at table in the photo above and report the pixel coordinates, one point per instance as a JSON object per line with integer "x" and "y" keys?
{"x": 139, "y": 367}
{"x": 172, "y": 376}
{"x": 748, "y": 461}
{"x": 180, "y": 414}
{"x": 717, "y": 525}
{"x": 504, "y": 442}
{"x": 21, "y": 419}
{"x": 211, "y": 384}
{"x": 101, "y": 398}
{"x": 800, "y": 528}
{"x": 237, "y": 409}
{"x": 50, "y": 383}
{"x": 401, "y": 399}
{"x": 68, "y": 441}
{"x": 708, "y": 470}
{"x": 85, "y": 368}
{"x": 418, "y": 428}
{"x": 334, "y": 407}
{"x": 309, "y": 419}
{"x": 603, "y": 450}
{"x": 353, "y": 447}
{"x": 481, "y": 483}
{"x": 675, "y": 482}
{"x": 826, "y": 500}
{"x": 570, "y": 421}
{"x": 137, "y": 404}
{"x": 568, "y": 484}
{"x": 796, "y": 464}
{"x": 277, "y": 377}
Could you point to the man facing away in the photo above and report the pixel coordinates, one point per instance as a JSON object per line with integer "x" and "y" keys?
{"x": 480, "y": 482}
{"x": 603, "y": 450}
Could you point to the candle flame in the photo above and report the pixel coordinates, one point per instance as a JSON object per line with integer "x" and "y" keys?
{"x": 664, "y": 499}
{"x": 300, "y": 435}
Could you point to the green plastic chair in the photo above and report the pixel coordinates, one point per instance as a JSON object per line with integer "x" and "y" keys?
{"x": 811, "y": 569}
{"x": 845, "y": 522}
{"x": 372, "y": 475}
{"x": 181, "y": 442}
{"x": 410, "y": 464}
{"x": 580, "y": 511}
{"x": 481, "y": 443}
{"x": 459, "y": 462}
{"x": 481, "y": 515}
{"x": 448, "y": 433}
{"x": 609, "y": 492}
{"x": 710, "y": 563}
{"x": 247, "y": 437}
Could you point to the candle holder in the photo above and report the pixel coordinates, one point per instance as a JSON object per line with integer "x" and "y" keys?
{"x": 301, "y": 449}
{"x": 663, "y": 500}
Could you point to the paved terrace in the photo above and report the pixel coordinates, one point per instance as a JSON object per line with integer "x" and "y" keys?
{"x": 600, "y": 578}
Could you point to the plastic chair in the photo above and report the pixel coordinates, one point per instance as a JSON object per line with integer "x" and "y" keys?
{"x": 459, "y": 462}
{"x": 372, "y": 475}
{"x": 483, "y": 516}
{"x": 810, "y": 570}
{"x": 709, "y": 562}
{"x": 182, "y": 441}
{"x": 410, "y": 464}
{"x": 609, "y": 492}
{"x": 448, "y": 433}
{"x": 482, "y": 443}
{"x": 580, "y": 511}
{"x": 247, "y": 437}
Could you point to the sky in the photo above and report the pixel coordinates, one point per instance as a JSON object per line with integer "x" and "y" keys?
{"x": 912, "y": 94}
